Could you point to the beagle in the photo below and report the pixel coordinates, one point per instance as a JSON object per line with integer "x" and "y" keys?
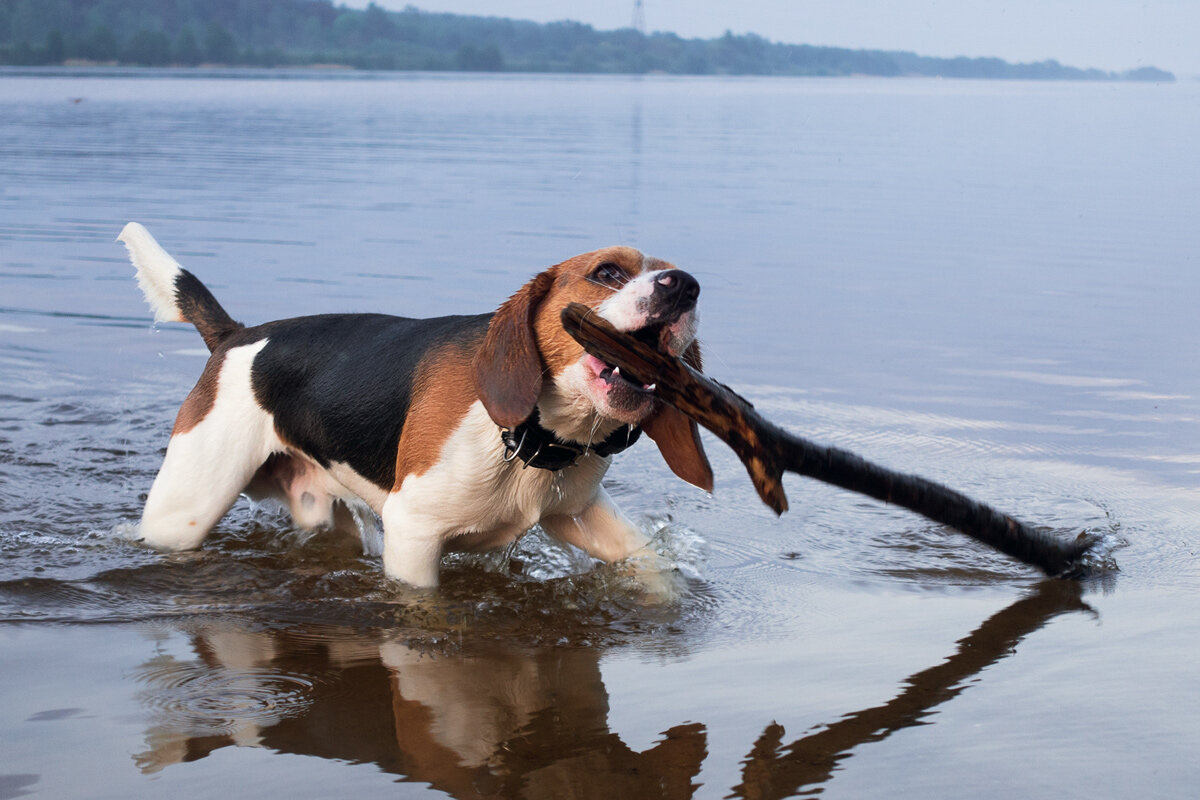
{"x": 460, "y": 432}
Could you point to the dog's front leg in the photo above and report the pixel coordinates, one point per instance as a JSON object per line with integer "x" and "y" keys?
{"x": 412, "y": 543}
{"x": 600, "y": 529}
{"x": 605, "y": 533}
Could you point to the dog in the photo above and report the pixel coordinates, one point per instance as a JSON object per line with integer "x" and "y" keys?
{"x": 460, "y": 432}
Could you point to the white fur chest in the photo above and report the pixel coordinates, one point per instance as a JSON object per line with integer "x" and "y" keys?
{"x": 474, "y": 499}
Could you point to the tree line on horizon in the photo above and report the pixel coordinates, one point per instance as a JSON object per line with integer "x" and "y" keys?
{"x": 292, "y": 33}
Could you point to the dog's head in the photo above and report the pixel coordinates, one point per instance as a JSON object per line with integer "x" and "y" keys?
{"x": 528, "y": 360}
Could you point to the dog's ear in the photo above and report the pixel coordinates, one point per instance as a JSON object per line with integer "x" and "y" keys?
{"x": 678, "y": 437}
{"x": 508, "y": 366}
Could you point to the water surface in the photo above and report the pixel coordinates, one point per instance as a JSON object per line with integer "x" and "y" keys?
{"x": 991, "y": 284}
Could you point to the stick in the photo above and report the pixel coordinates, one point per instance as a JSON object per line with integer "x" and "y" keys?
{"x": 768, "y": 451}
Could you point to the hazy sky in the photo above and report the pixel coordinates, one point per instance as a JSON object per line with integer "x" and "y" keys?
{"x": 1109, "y": 34}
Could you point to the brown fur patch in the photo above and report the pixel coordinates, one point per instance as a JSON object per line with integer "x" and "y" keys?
{"x": 202, "y": 398}
{"x": 678, "y": 436}
{"x": 678, "y": 440}
{"x": 443, "y": 391}
{"x": 508, "y": 367}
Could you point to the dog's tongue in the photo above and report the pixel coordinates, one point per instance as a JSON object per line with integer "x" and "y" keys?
{"x": 609, "y": 373}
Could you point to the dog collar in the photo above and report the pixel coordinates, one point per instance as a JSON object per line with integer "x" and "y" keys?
{"x": 540, "y": 448}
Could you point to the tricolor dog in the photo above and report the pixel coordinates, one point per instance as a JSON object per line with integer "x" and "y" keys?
{"x": 460, "y": 432}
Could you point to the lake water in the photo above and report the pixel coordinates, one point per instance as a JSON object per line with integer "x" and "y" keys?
{"x": 994, "y": 285}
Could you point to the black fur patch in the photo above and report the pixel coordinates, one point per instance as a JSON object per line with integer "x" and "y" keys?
{"x": 200, "y": 308}
{"x": 340, "y": 385}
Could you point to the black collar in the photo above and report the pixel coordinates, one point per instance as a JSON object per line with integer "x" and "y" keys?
{"x": 540, "y": 448}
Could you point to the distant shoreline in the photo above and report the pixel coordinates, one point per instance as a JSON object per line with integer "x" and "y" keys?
{"x": 316, "y": 34}
{"x": 348, "y": 72}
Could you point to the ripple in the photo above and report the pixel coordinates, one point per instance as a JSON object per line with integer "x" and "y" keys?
{"x": 201, "y": 699}
{"x": 29, "y": 599}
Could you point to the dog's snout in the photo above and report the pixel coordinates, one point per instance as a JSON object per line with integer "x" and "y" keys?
{"x": 677, "y": 289}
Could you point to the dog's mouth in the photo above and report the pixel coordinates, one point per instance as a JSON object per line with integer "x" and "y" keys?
{"x": 656, "y": 336}
{"x": 614, "y": 378}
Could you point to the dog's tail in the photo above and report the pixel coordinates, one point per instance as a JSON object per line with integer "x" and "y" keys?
{"x": 174, "y": 294}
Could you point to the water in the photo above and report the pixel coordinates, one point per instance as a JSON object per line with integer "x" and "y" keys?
{"x": 990, "y": 284}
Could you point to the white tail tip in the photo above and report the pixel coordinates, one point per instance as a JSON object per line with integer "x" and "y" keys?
{"x": 156, "y": 271}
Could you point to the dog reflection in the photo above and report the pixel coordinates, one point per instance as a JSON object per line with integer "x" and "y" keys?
{"x": 501, "y": 723}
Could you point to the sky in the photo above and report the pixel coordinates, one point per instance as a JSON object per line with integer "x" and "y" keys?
{"x": 1107, "y": 34}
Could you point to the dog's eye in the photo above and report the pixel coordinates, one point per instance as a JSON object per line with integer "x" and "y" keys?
{"x": 609, "y": 274}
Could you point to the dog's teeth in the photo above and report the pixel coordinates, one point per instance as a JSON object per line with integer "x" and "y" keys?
{"x": 616, "y": 371}
{"x": 650, "y": 387}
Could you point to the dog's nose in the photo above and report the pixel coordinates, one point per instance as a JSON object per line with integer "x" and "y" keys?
{"x": 677, "y": 289}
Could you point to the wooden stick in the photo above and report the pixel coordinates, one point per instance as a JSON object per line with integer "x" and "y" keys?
{"x": 768, "y": 451}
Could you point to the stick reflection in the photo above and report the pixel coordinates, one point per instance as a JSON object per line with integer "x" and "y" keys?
{"x": 776, "y": 770}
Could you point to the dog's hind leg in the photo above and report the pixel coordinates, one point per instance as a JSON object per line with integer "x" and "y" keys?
{"x": 221, "y": 439}
{"x": 201, "y": 477}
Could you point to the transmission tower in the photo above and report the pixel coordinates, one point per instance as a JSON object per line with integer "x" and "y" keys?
{"x": 639, "y": 17}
